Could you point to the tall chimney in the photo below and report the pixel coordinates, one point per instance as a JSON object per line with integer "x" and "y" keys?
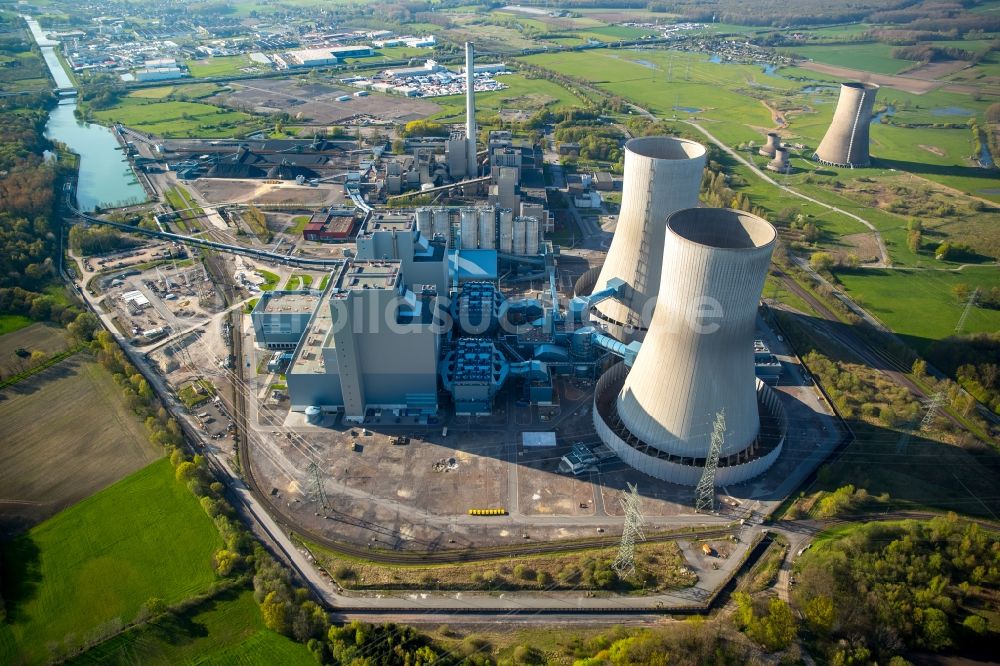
{"x": 470, "y": 111}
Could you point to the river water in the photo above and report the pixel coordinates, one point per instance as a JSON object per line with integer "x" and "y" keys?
{"x": 106, "y": 178}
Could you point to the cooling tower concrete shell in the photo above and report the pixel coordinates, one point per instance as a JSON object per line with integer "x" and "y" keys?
{"x": 695, "y": 359}
{"x": 846, "y": 142}
{"x": 662, "y": 175}
{"x": 780, "y": 161}
{"x": 773, "y": 142}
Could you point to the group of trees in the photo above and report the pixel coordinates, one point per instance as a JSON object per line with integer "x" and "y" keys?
{"x": 887, "y": 587}
{"x": 768, "y": 623}
{"x": 89, "y": 241}
{"x": 974, "y": 360}
{"x": 929, "y": 53}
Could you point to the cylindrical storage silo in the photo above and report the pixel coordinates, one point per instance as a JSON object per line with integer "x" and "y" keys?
{"x": 520, "y": 224}
{"x": 487, "y": 228}
{"x": 697, "y": 357}
{"x": 442, "y": 224}
{"x": 662, "y": 175}
{"x": 506, "y": 230}
{"x": 773, "y": 141}
{"x": 532, "y": 236}
{"x": 470, "y": 229}
{"x": 423, "y": 216}
{"x": 313, "y": 414}
{"x": 846, "y": 142}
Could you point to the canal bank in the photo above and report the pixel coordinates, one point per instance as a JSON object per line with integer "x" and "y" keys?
{"x": 105, "y": 178}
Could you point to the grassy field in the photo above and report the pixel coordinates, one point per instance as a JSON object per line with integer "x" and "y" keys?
{"x": 225, "y": 630}
{"x": 100, "y": 560}
{"x": 522, "y": 94}
{"x": 870, "y": 57}
{"x": 11, "y": 322}
{"x": 177, "y": 119}
{"x": 223, "y": 66}
{"x": 896, "y": 296}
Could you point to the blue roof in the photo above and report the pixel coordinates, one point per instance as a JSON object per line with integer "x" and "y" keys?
{"x": 473, "y": 264}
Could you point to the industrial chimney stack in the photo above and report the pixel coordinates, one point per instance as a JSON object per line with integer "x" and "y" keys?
{"x": 470, "y": 110}
{"x": 846, "y": 142}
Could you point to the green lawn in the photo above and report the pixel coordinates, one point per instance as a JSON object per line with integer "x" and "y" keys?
{"x": 100, "y": 560}
{"x": 177, "y": 119}
{"x": 222, "y": 66}
{"x": 11, "y": 322}
{"x": 872, "y": 57}
{"x": 225, "y": 630}
{"x": 919, "y": 305}
{"x": 270, "y": 280}
{"x": 522, "y": 93}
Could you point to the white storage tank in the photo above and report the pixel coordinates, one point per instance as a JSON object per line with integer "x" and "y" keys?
{"x": 532, "y": 239}
{"x": 423, "y": 215}
{"x": 470, "y": 229}
{"x": 314, "y": 415}
{"x": 442, "y": 226}
{"x": 520, "y": 225}
{"x": 506, "y": 230}
{"x": 487, "y": 228}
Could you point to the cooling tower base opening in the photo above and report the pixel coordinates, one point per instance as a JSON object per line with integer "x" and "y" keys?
{"x": 846, "y": 165}
{"x": 640, "y": 455}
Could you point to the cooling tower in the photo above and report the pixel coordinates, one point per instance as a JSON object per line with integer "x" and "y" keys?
{"x": 662, "y": 175}
{"x": 846, "y": 142}
{"x": 697, "y": 357}
{"x": 773, "y": 141}
{"x": 780, "y": 161}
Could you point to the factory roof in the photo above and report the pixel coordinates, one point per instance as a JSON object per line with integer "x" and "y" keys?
{"x": 473, "y": 264}
{"x": 299, "y": 301}
{"x": 370, "y": 275}
{"x": 388, "y": 221}
{"x": 318, "y": 334}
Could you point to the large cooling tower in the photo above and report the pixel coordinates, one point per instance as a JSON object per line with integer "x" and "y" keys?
{"x": 846, "y": 142}
{"x": 697, "y": 357}
{"x": 662, "y": 175}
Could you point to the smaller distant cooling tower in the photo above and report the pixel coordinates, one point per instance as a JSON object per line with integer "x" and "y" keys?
{"x": 780, "y": 161}
{"x": 773, "y": 141}
{"x": 662, "y": 175}
{"x": 697, "y": 358}
{"x": 846, "y": 142}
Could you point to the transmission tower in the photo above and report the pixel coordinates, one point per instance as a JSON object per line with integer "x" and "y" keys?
{"x": 937, "y": 400}
{"x": 318, "y": 491}
{"x": 624, "y": 564}
{"x": 966, "y": 311}
{"x": 704, "y": 494}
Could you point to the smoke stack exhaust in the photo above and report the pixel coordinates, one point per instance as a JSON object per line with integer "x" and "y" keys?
{"x": 470, "y": 110}
{"x": 846, "y": 142}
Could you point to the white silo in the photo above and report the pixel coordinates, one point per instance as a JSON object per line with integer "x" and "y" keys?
{"x": 470, "y": 229}
{"x": 662, "y": 174}
{"x": 506, "y": 230}
{"x": 442, "y": 223}
{"x": 697, "y": 357}
{"x": 520, "y": 225}
{"x": 531, "y": 236}
{"x": 487, "y": 228}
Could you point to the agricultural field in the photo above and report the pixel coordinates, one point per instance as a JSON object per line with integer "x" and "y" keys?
{"x": 177, "y": 119}
{"x": 66, "y": 432}
{"x": 97, "y": 562}
{"x": 224, "y": 630}
{"x": 11, "y": 322}
{"x": 870, "y": 57}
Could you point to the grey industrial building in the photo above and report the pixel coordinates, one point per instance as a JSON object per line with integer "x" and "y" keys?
{"x": 280, "y": 317}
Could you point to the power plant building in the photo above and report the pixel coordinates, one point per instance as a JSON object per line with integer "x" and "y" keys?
{"x": 695, "y": 360}
{"x": 846, "y": 142}
{"x": 280, "y": 317}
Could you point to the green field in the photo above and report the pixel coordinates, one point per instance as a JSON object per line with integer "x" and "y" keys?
{"x": 10, "y": 323}
{"x": 100, "y": 560}
{"x": 225, "y": 630}
{"x": 919, "y": 305}
{"x": 177, "y": 119}
{"x": 522, "y": 94}
{"x": 223, "y": 66}
{"x": 870, "y": 57}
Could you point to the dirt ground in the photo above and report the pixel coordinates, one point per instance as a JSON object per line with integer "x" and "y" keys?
{"x": 240, "y": 190}
{"x": 934, "y": 71}
{"x": 863, "y": 245}
{"x": 315, "y": 102}
{"x": 915, "y": 86}
{"x": 66, "y": 434}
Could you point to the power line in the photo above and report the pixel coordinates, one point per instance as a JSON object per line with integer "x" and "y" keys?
{"x": 624, "y": 564}
{"x": 704, "y": 494}
{"x": 966, "y": 311}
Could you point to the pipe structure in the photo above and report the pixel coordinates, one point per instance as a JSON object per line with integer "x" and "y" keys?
{"x": 846, "y": 142}
{"x": 470, "y": 111}
{"x": 697, "y": 358}
{"x": 662, "y": 175}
